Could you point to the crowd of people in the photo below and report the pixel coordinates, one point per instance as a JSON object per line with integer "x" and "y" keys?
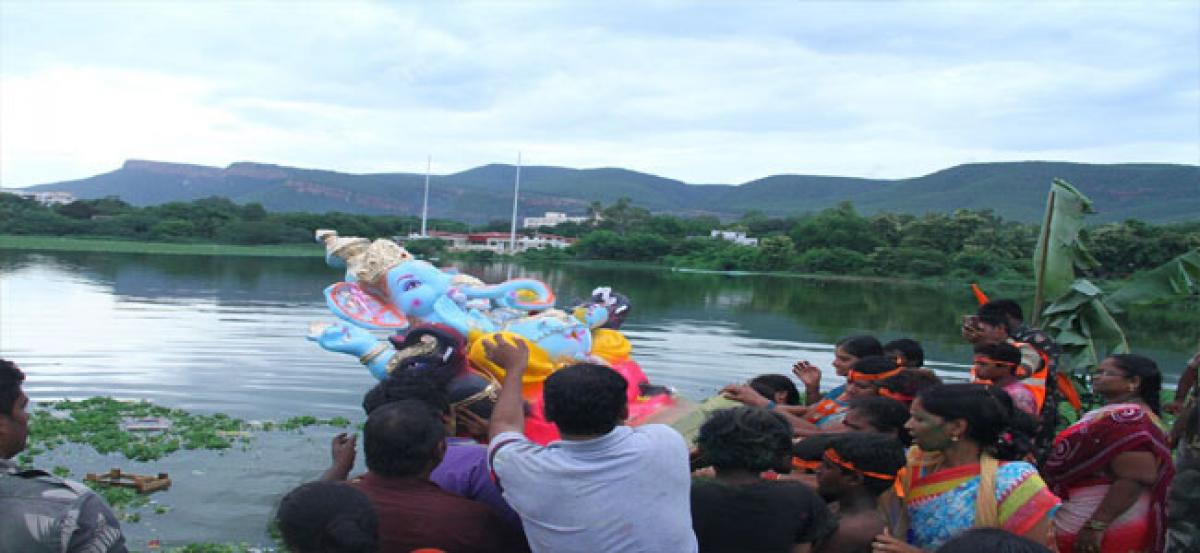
{"x": 890, "y": 460}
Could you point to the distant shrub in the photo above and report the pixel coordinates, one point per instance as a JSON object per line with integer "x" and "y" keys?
{"x": 833, "y": 260}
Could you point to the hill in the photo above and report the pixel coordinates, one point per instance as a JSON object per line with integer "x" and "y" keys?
{"x": 1015, "y": 190}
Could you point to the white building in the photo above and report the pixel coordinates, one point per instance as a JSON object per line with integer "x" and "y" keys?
{"x": 499, "y": 241}
{"x": 735, "y": 237}
{"x": 552, "y": 218}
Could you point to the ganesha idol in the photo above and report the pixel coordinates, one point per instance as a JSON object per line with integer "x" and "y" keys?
{"x": 387, "y": 289}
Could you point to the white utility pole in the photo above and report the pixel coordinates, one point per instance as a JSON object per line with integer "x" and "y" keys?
{"x": 512, "y": 244}
{"x": 425, "y": 206}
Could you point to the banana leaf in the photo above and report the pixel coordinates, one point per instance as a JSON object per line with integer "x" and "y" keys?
{"x": 1176, "y": 278}
{"x": 1081, "y": 323}
{"x": 1059, "y": 249}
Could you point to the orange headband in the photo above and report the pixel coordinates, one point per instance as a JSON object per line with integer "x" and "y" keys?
{"x": 801, "y": 464}
{"x": 895, "y": 395}
{"x": 982, "y": 359}
{"x": 856, "y": 376}
{"x": 833, "y": 457}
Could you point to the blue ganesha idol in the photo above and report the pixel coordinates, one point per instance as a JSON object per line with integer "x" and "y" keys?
{"x": 386, "y": 288}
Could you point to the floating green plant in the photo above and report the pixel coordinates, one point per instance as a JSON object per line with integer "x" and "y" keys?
{"x": 98, "y": 422}
{"x": 105, "y": 424}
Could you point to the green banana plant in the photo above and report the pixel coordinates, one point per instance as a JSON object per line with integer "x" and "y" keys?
{"x": 1080, "y": 315}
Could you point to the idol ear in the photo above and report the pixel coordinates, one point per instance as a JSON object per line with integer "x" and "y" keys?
{"x": 350, "y": 301}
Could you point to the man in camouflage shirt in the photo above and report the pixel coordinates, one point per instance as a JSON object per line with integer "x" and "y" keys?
{"x": 40, "y": 512}
{"x": 1020, "y": 332}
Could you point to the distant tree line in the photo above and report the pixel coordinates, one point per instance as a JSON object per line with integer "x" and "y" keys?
{"x": 840, "y": 240}
{"x": 837, "y": 240}
{"x": 207, "y": 220}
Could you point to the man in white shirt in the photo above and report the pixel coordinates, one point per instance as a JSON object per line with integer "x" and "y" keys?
{"x": 604, "y": 486}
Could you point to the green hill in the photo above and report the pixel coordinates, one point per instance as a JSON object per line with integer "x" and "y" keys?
{"x": 1015, "y": 190}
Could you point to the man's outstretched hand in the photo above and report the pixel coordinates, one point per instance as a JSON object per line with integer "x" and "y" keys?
{"x": 512, "y": 356}
{"x": 342, "y": 449}
{"x": 509, "y": 413}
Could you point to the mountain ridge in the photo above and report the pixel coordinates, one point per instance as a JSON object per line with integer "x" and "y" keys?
{"x": 1016, "y": 190}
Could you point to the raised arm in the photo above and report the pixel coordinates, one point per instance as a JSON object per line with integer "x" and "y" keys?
{"x": 509, "y": 413}
{"x": 743, "y": 393}
{"x": 810, "y": 376}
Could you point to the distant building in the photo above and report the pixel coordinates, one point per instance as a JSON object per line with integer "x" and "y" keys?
{"x": 735, "y": 237}
{"x": 492, "y": 241}
{"x": 553, "y": 218}
{"x": 44, "y": 198}
{"x": 499, "y": 241}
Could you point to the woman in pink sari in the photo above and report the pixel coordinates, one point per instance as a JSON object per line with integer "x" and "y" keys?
{"x": 1113, "y": 467}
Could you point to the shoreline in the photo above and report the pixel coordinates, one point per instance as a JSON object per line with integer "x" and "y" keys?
{"x": 116, "y": 245}
{"x": 113, "y": 245}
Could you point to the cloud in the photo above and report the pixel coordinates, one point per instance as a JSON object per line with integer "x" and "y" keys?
{"x": 704, "y": 93}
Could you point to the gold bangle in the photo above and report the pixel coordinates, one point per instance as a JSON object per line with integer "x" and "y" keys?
{"x": 369, "y": 356}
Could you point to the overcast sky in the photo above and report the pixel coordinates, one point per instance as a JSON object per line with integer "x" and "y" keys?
{"x": 704, "y": 92}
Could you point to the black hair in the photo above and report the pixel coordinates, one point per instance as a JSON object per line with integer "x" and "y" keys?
{"x": 861, "y": 346}
{"x": 401, "y": 385}
{"x": 467, "y": 386}
{"x": 585, "y": 399}
{"x": 1146, "y": 369}
{"x": 770, "y": 384}
{"x": 991, "y": 420}
{"x": 914, "y": 355}
{"x": 444, "y": 361}
{"x": 874, "y": 364}
{"x": 1006, "y": 308}
{"x": 886, "y": 415}
{"x": 1001, "y": 351}
{"x": 909, "y": 382}
{"x": 991, "y": 540}
{"x": 10, "y": 386}
{"x": 993, "y": 318}
{"x": 871, "y": 453}
{"x": 813, "y": 448}
{"x": 402, "y": 438}
{"x": 747, "y": 438}
{"x": 328, "y": 517}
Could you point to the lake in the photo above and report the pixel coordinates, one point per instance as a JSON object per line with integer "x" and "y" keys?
{"x": 226, "y": 334}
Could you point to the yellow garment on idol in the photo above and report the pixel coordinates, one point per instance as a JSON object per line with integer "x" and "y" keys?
{"x": 610, "y": 345}
{"x": 539, "y": 369}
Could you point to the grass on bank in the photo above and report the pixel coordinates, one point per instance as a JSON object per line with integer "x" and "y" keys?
{"x": 75, "y": 244}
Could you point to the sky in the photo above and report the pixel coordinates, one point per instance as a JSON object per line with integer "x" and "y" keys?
{"x": 704, "y": 92}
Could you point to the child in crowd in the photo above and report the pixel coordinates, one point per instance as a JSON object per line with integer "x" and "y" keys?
{"x": 738, "y": 511}
{"x": 856, "y": 468}
{"x": 998, "y": 364}
{"x": 328, "y": 517}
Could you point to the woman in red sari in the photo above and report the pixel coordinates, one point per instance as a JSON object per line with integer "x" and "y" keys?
{"x": 1113, "y": 467}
